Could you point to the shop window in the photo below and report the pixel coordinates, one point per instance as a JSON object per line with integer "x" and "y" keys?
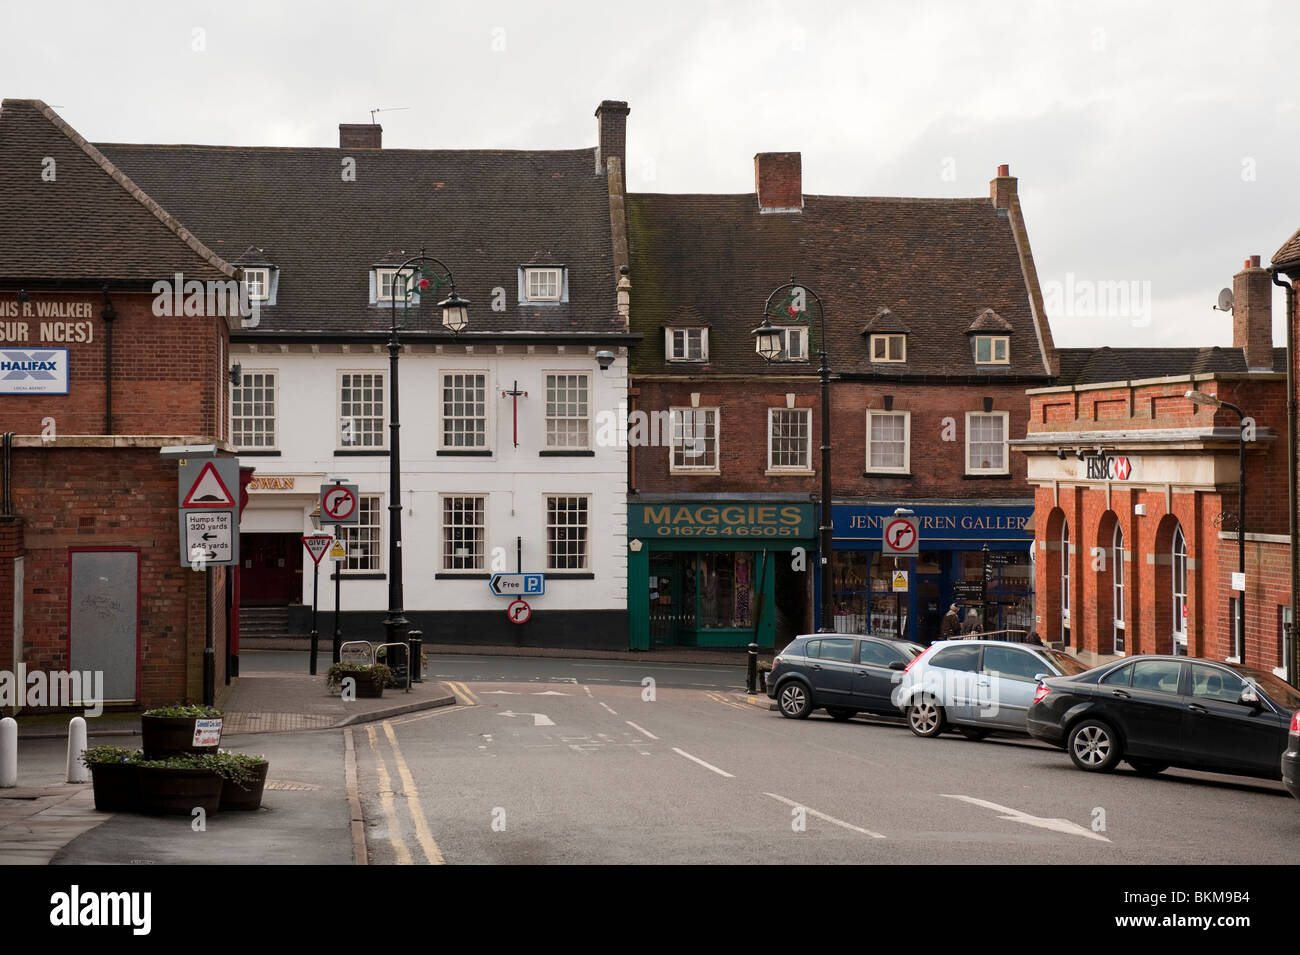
{"x": 364, "y": 539}
{"x": 361, "y": 409}
{"x": 725, "y": 591}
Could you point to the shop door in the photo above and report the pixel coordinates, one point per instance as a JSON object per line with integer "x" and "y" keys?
{"x": 665, "y": 599}
{"x": 272, "y": 572}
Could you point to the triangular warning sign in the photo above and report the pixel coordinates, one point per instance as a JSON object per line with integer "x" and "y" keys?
{"x": 208, "y": 490}
{"x": 316, "y": 545}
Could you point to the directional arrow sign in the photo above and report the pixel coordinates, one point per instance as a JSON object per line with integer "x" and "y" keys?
{"x": 208, "y": 538}
{"x": 900, "y": 537}
{"x": 518, "y": 585}
{"x": 338, "y": 504}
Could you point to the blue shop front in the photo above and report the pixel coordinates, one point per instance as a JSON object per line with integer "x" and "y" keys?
{"x": 978, "y": 556}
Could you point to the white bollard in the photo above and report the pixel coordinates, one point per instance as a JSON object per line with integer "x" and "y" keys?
{"x": 77, "y": 772}
{"x": 8, "y": 753}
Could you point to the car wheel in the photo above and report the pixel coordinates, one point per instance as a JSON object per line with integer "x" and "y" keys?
{"x": 794, "y": 700}
{"x": 840, "y": 715}
{"x": 974, "y": 732}
{"x": 1148, "y": 767}
{"x": 1094, "y": 746}
{"x": 925, "y": 717}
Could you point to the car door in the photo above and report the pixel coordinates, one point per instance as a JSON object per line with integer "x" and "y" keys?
{"x": 1148, "y": 707}
{"x": 1220, "y": 732}
{"x": 873, "y": 680}
{"x": 950, "y": 677}
{"x": 831, "y": 671}
{"x": 1006, "y": 685}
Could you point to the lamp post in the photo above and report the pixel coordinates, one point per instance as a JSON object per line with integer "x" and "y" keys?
{"x": 768, "y": 344}
{"x": 1201, "y": 398}
{"x": 455, "y": 316}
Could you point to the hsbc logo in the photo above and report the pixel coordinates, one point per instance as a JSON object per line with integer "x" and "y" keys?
{"x": 1109, "y": 467}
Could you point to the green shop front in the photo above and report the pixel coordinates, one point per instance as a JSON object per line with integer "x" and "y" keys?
{"x": 719, "y": 572}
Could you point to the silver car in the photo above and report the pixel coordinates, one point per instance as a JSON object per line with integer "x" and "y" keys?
{"x": 976, "y": 686}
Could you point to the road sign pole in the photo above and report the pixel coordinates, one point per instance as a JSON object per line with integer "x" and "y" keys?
{"x": 338, "y": 579}
{"x": 209, "y": 652}
{"x": 315, "y": 602}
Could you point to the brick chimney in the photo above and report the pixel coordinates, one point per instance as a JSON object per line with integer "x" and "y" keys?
{"x": 1252, "y": 314}
{"x": 778, "y": 180}
{"x": 1002, "y": 187}
{"x": 361, "y": 136}
{"x": 611, "y": 133}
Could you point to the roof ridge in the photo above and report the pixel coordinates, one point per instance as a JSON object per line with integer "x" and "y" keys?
{"x": 339, "y": 149}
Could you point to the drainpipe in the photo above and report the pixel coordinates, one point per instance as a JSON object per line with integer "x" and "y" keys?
{"x": 1292, "y": 663}
{"x": 108, "y": 313}
{"x": 7, "y": 502}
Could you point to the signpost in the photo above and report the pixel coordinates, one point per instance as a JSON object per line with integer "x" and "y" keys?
{"x": 900, "y": 537}
{"x": 316, "y": 545}
{"x": 518, "y": 585}
{"x": 338, "y": 504}
{"x": 338, "y": 553}
{"x": 519, "y": 611}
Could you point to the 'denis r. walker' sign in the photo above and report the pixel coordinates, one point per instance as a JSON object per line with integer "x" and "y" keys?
{"x": 739, "y": 519}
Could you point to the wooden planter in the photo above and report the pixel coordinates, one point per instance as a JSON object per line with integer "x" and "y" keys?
{"x": 178, "y": 791}
{"x": 116, "y": 786}
{"x": 167, "y": 736}
{"x": 233, "y": 796}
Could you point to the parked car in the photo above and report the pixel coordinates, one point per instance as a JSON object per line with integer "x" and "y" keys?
{"x": 977, "y": 686}
{"x": 1291, "y": 758}
{"x": 1158, "y": 711}
{"x": 843, "y": 673}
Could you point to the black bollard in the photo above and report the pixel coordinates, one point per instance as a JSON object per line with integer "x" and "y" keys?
{"x": 751, "y": 670}
{"x": 415, "y": 641}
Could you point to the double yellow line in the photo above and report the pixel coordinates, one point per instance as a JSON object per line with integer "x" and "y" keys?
{"x": 463, "y": 693}
{"x": 387, "y": 798}
{"x": 719, "y": 698}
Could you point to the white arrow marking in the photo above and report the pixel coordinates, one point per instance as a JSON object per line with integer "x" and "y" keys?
{"x": 539, "y": 719}
{"x": 550, "y": 693}
{"x": 498, "y": 693}
{"x": 822, "y": 815}
{"x": 1015, "y": 815}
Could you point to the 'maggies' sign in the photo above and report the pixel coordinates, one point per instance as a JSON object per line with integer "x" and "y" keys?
{"x": 43, "y": 372}
{"x": 1110, "y": 467}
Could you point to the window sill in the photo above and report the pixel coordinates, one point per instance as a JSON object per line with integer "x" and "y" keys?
{"x": 888, "y": 474}
{"x": 575, "y": 453}
{"x": 1236, "y": 660}
{"x": 358, "y": 576}
{"x": 789, "y": 472}
{"x": 249, "y": 453}
{"x": 568, "y": 575}
{"x": 465, "y": 454}
{"x": 452, "y": 575}
{"x": 362, "y": 452}
{"x": 690, "y": 472}
{"x": 991, "y": 476}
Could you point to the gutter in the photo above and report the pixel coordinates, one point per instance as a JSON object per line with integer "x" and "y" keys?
{"x": 1292, "y": 663}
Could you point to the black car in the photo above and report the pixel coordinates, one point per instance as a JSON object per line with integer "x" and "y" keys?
{"x": 1291, "y": 759}
{"x": 1156, "y": 711}
{"x": 844, "y": 673}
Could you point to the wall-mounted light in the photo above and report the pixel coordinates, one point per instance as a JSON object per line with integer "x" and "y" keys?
{"x": 1060, "y": 453}
{"x": 1080, "y": 453}
{"x": 889, "y": 402}
{"x": 988, "y": 405}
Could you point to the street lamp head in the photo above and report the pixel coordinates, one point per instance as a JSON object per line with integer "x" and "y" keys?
{"x": 1201, "y": 398}
{"x": 767, "y": 340}
{"x": 455, "y": 312}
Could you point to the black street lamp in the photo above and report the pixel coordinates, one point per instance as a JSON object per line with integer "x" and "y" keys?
{"x": 768, "y": 343}
{"x": 1201, "y": 398}
{"x": 455, "y": 316}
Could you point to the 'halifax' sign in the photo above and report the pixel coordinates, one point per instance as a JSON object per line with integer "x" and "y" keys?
{"x": 942, "y": 526}
{"x": 43, "y": 371}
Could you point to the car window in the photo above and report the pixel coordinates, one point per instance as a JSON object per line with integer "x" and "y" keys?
{"x": 877, "y": 654}
{"x": 1211, "y": 683}
{"x": 839, "y": 650}
{"x": 813, "y": 648}
{"x": 1281, "y": 692}
{"x": 1067, "y": 664}
{"x": 1158, "y": 675}
{"x": 957, "y": 658}
{"x": 1012, "y": 664}
{"x": 1119, "y": 676}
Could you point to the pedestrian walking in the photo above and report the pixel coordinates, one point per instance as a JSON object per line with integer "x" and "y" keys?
{"x": 972, "y": 624}
{"x": 951, "y": 625}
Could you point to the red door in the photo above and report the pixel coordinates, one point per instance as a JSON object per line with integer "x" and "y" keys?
{"x": 272, "y": 569}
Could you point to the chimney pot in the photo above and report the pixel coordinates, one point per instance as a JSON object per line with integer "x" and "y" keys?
{"x": 1002, "y": 187}
{"x": 361, "y": 136}
{"x": 1254, "y": 261}
{"x": 778, "y": 180}
{"x": 1004, "y": 170}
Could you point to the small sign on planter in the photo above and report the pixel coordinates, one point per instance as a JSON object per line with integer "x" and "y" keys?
{"x": 207, "y": 732}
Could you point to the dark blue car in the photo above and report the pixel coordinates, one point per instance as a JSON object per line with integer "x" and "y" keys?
{"x": 842, "y": 673}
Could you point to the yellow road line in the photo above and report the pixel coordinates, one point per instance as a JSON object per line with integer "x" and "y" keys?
{"x": 386, "y": 800}
{"x": 463, "y": 692}
{"x": 422, "y": 833}
{"x": 441, "y": 711}
{"x": 725, "y": 702}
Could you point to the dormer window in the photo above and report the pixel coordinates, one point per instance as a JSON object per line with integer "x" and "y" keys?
{"x": 389, "y": 285}
{"x": 543, "y": 284}
{"x": 992, "y": 350}
{"x": 794, "y": 344}
{"x": 686, "y": 344}
{"x": 888, "y": 348}
{"x": 258, "y": 284}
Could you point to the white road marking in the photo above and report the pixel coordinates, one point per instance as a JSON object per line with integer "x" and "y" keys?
{"x": 550, "y": 693}
{"x": 824, "y": 817}
{"x": 588, "y": 689}
{"x": 696, "y": 759}
{"x": 655, "y": 666}
{"x": 499, "y": 693}
{"x": 606, "y": 706}
{"x": 539, "y": 719}
{"x": 644, "y": 732}
{"x": 1015, "y": 815}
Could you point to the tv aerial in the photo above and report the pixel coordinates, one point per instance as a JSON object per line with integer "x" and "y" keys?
{"x": 1225, "y": 301}
{"x": 385, "y": 109}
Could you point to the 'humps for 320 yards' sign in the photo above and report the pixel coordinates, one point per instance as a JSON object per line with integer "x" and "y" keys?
{"x": 42, "y": 371}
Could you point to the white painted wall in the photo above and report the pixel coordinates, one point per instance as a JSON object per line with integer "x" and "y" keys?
{"x": 514, "y": 480}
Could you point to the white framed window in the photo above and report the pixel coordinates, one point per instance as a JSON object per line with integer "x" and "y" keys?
{"x": 686, "y": 344}
{"x": 1065, "y": 582}
{"x": 992, "y": 349}
{"x": 464, "y": 410}
{"x": 889, "y": 441}
{"x": 464, "y": 531}
{"x": 1117, "y": 583}
{"x": 365, "y": 538}
{"x": 888, "y": 348}
{"x": 258, "y": 283}
{"x": 986, "y": 442}
{"x": 361, "y": 409}
{"x": 794, "y": 343}
{"x": 789, "y": 439}
{"x": 1179, "y": 586}
{"x": 694, "y": 444}
{"x": 253, "y": 410}
{"x": 568, "y": 410}
{"x": 543, "y": 285}
{"x": 389, "y": 284}
{"x": 567, "y": 523}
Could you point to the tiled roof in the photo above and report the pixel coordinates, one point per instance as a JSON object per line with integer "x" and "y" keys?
{"x": 1089, "y": 366}
{"x": 88, "y": 220}
{"x": 935, "y": 263}
{"x": 482, "y": 212}
{"x": 885, "y": 321}
{"x": 990, "y": 321}
{"x": 1290, "y": 251}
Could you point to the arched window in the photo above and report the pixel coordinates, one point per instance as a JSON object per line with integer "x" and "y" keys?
{"x": 1065, "y": 582}
{"x": 1179, "y": 585}
{"x": 1117, "y": 574}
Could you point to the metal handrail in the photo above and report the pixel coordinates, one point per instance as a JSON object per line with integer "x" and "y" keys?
{"x": 1011, "y": 636}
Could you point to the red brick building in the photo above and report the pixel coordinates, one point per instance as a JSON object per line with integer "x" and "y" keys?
{"x": 1137, "y": 490}
{"x": 1286, "y": 272}
{"x": 94, "y": 384}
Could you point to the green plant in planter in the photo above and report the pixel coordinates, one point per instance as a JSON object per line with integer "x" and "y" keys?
{"x": 338, "y": 672}
{"x": 100, "y": 755}
{"x": 241, "y": 769}
{"x": 764, "y": 666}
{"x": 185, "y": 711}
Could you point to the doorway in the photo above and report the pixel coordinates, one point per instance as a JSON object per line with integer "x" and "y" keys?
{"x": 272, "y": 570}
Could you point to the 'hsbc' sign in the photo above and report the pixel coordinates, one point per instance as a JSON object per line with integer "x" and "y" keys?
{"x": 1110, "y": 467}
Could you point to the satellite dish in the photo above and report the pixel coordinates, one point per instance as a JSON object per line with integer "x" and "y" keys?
{"x": 1225, "y": 300}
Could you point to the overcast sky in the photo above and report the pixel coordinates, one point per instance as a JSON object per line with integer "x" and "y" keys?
{"x": 1155, "y": 144}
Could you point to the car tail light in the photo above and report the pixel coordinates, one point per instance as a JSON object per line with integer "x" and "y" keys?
{"x": 1044, "y": 689}
{"x": 1295, "y": 723}
{"x": 916, "y": 659}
